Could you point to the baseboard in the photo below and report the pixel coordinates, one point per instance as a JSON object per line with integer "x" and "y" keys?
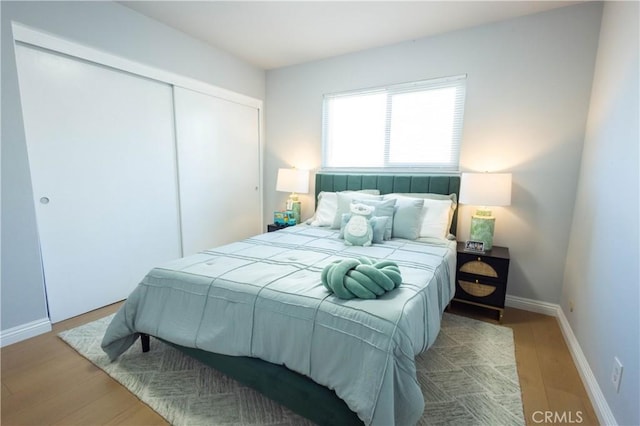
{"x": 530, "y": 305}
{"x": 24, "y": 331}
{"x": 600, "y": 405}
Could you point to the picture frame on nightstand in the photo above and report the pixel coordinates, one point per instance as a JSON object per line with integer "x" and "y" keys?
{"x": 474, "y": 246}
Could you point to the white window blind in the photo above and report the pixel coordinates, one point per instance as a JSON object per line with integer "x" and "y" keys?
{"x": 411, "y": 125}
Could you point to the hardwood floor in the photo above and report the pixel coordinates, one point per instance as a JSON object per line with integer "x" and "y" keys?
{"x": 550, "y": 384}
{"x": 45, "y": 382}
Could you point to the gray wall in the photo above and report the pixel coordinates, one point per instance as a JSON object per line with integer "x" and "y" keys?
{"x": 528, "y": 88}
{"x": 112, "y": 28}
{"x": 601, "y": 276}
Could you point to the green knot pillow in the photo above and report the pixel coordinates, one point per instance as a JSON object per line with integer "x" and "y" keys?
{"x": 362, "y": 278}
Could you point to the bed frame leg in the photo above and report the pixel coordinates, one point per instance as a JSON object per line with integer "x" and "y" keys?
{"x": 145, "y": 340}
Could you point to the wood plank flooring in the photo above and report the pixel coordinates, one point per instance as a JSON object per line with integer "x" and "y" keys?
{"x": 45, "y": 382}
{"x": 550, "y": 383}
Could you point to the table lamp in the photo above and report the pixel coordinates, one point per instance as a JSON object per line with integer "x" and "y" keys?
{"x": 293, "y": 181}
{"x": 485, "y": 190}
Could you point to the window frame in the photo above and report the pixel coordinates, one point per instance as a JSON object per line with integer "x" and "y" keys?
{"x": 458, "y": 82}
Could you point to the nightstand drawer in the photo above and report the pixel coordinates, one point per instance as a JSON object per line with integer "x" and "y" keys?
{"x": 487, "y": 292}
{"x": 482, "y": 265}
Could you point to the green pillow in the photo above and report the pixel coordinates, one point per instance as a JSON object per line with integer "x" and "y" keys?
{"x": 384, "y": 208}
{"x": 407, "y": 218}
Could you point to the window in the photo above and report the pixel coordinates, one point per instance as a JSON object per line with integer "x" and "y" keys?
{"x": 412, "y": 125}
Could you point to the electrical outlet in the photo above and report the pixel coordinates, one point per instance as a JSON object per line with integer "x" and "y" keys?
{"x": 616, "y": 374}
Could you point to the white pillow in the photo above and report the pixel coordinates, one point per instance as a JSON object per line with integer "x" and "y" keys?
{"x": 436, "y": 218}
{"x": 437, "y": 213}
{"x": 326, "y": 210}
{"x": 327, "y": 207}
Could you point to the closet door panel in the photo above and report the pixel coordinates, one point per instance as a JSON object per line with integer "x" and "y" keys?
{"x": 218, "y": 169}
{"x": 102, "y": 159}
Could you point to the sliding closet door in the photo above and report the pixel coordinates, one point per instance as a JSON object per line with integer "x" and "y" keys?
{"x": 103, "y": 168}
{"x": 219, "y": 170}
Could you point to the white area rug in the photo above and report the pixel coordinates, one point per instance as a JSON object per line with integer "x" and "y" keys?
{"x": 468, "y": 377}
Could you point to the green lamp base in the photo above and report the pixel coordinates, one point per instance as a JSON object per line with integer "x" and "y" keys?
{"x": 295, "y": 206}
{"x": 482, "y": 227}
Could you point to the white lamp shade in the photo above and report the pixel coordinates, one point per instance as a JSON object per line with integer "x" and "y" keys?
{"x": 293, "y": 180}
{"x": 485, "y": 189}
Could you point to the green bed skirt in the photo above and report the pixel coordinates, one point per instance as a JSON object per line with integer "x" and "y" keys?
{"x": 299, "y": 393}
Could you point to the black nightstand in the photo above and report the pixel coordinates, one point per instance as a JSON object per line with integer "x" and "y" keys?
{"x": 273, "y": 227}
{"x": 481, "y": 278}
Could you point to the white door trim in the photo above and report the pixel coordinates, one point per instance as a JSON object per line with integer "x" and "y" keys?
{"x": 28, "y": 35}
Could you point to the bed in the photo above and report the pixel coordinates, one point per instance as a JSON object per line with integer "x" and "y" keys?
{"x": 256, "y": 311}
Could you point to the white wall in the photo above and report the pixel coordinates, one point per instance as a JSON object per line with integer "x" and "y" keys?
{"x": 601, "y": 276}
{"x": 528, "y": 88}
{"x": 112, "y": 28}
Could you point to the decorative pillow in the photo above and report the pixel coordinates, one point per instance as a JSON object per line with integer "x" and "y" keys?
{"x": 361, "y": 277}
{"x": 344, "y": 204}
{"x": 358, "y": 230}
{"x": 384, "y": 208}
{"x": 326, "y": 210}
{"x": 407, "y": 218}
{"x": 379, "y": 225}
{"x": 427, "y": 195}
{"x": 436, "y": 218}
{"x": 327, "y": 207}
{"x": 437, "y": 212}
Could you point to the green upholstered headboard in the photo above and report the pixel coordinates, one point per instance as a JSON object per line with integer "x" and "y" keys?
{"x": 388, "y": 183}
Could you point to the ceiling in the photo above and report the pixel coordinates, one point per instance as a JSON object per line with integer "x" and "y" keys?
{"x": 274, "y": 34}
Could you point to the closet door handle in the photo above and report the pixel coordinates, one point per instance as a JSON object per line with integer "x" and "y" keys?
{"x": 44, "y": 200}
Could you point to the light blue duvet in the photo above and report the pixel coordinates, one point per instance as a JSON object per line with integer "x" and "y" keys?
{"x": 262, "y": 297}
